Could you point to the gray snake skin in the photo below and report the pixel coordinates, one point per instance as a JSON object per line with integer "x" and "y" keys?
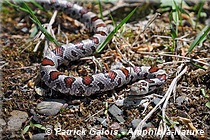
{"x": 87, "y": 85}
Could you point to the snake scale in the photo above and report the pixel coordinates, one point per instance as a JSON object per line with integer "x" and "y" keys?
{"x": 88, "y": 85}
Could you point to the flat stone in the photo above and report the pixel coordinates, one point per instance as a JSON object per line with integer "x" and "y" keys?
{"x": 40, "y": 136}
{"x": 2, "y": 122}
{"x": 123, "y": 131}
{"x": 102, "y": 121}
{"x": 135, "y": 123}
{"x": 24, "y": 29}
{"x": 180, "y": 99}
{"x": 156, "y": 100}
{"x": 114, "y": 110}
{"x": 49, "y": 108}
{"x": 132, "y": 101}
{"x": 114, "y": 126}
{"x": 16, "y": 120}
{"x": 119, "y": 102}
{"x": 117, "y": 113}
{"x": 149, "y": 125}
{"x": 120, "y": 119}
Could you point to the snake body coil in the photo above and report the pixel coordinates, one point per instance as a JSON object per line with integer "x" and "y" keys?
{"x": 100, "y": 82}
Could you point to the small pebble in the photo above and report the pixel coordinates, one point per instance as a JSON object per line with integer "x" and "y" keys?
{"x": 180, "y": 99}
{"x": 115, "y": 126}
{"x": 119, "y": 102}
{"x": 24, "y": 29}
{"x": 49, "y": 108}
{"x": 102, "y": 121}
{"x": 156, "y": 100}
{"x": 40, "y": 136}
{"x": 135, "y": 123}
{"x": 117, "y": 113}
{"x": 192, "y": 110}
{"x": 2, "y": 122}
{"x": 16, "y": 120}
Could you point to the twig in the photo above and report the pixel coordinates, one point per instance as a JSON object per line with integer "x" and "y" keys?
{"x": 94, "y": 114}
{"x": 117, "y": 6}
{"x": 177, "y": 129}
{"x": 49, "y": 29}
{"x": 178, "y": 56}
{"x": 30, "y": 43}
{"x": 171, "y": 89}
{"x": 165, "y": 98}
{"x": 18, "y": 68}
{"x": 95, "y": 61}
{"x": 168, "y": 37}
{"x": 124, "y": 59}
{"x": 2, "y": 64}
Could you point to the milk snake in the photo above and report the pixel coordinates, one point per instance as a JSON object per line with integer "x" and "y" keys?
{"x": 87, "y": 85}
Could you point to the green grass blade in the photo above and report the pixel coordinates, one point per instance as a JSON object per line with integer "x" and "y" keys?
{"x": 100, "y": 8}
{"x": 175, "y": 12}
{"x": 25, "y": 6}
{"x": 185, "y": 12}
{"x": 200, "y": 38}
{"x": 176, "y": 15}
{"x": 25, "y": 130}
{"x": 198, "y": 66}
{"x": 201, "y": 4}
{"x": 33, "y": 17}
{"x": 34, "y": 31}
{"x": 102, "y": 45}
{"x": 39, "y": 126}
{"x": 37, "y": 22}
{"x": 37, "y": 5}
{"x": 113, "y": 22}
{"x": 208, "y": 104}
{"x": 18, "y": 7}
{"x": 44, "y": 31}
